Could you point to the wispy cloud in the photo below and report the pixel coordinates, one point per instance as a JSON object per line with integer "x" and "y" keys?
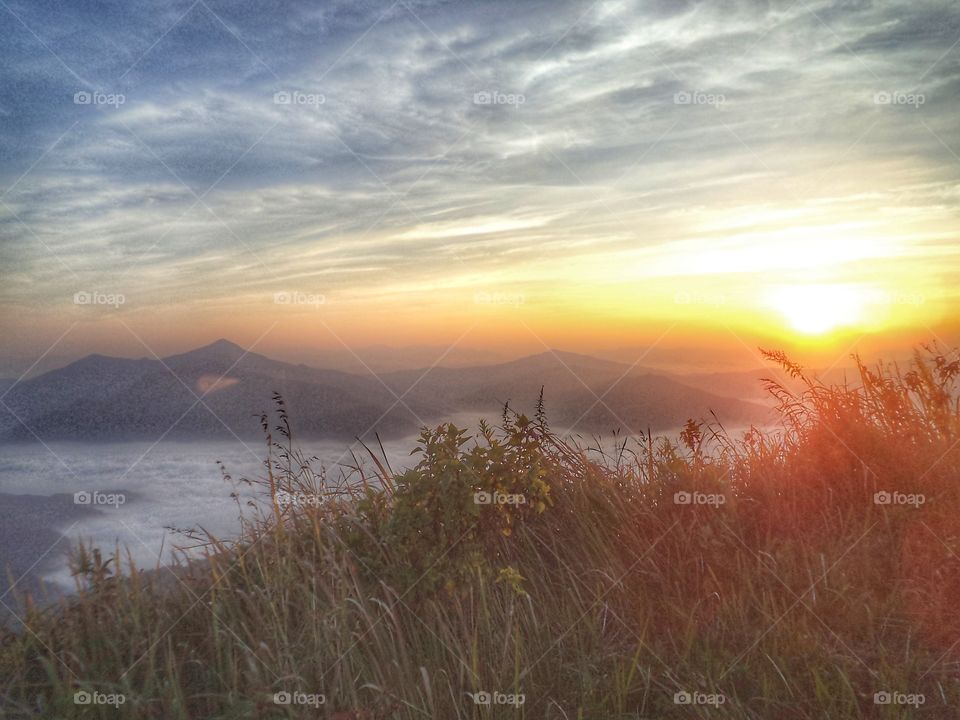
{"x": 367, "y": 144}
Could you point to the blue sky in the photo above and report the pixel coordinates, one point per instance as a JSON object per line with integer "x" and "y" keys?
{"x": 587, "y": 157}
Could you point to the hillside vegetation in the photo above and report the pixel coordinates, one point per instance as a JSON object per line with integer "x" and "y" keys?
{"x": 807, "y": 572}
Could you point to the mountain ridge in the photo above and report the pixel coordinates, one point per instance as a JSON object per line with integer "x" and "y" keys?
{"x": 220, "y": 390}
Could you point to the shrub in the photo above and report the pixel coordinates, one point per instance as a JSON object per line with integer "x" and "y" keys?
{"x": 446, "y": 517}
{"x": 802, "y": 595}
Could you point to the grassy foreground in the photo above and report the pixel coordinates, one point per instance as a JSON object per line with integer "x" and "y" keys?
{"x": 811, "y": 572}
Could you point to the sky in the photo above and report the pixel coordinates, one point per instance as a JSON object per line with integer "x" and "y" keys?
{"x": 507, "y": 175}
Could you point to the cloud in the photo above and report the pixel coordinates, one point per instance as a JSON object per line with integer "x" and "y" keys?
{"x": 599, "y": 130}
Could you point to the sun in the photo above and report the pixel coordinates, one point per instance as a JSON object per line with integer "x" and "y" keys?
{"x": 816, "y": 309}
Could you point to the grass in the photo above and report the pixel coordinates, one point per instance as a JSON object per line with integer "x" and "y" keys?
{"x": 759, "y": 576}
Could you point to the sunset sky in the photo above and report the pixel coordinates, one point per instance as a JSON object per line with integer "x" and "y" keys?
{"x": 508, "y": 175}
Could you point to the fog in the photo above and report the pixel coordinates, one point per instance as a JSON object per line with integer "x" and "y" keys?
{"x": 163, "y": 486}
{"x": 169, "y": 485}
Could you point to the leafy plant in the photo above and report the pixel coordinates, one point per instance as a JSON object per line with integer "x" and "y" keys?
{"x": 447, "y": 516}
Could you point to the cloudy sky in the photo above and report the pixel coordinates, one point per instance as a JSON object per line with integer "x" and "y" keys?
{"x": 579, "y": 174}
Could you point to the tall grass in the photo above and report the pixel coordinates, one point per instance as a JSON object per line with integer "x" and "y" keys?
{"x": 796, "y": 573}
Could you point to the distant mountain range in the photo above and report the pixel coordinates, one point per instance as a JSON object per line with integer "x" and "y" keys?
{"x": 219, "y": 390}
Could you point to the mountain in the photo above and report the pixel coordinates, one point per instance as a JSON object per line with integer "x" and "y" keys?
{"x": 749, "y": 384}
{"x": 107, "y": 398}
{"x": 220, "y": 390}
{"x": 385, "y": 358}
{"x": 591, "y": 394}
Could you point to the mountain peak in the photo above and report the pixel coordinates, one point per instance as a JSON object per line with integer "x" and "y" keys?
{"x": 555, "y": 357}
{"x": 219, "y": 349}
{"x": 222, "y": 344}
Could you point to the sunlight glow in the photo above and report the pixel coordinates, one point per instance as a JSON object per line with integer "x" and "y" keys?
{"x": 818, "y": 308}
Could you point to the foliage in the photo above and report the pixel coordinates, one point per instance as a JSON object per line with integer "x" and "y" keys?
{"x": 794, "y": 572}
{"x": 447, "y": 515}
